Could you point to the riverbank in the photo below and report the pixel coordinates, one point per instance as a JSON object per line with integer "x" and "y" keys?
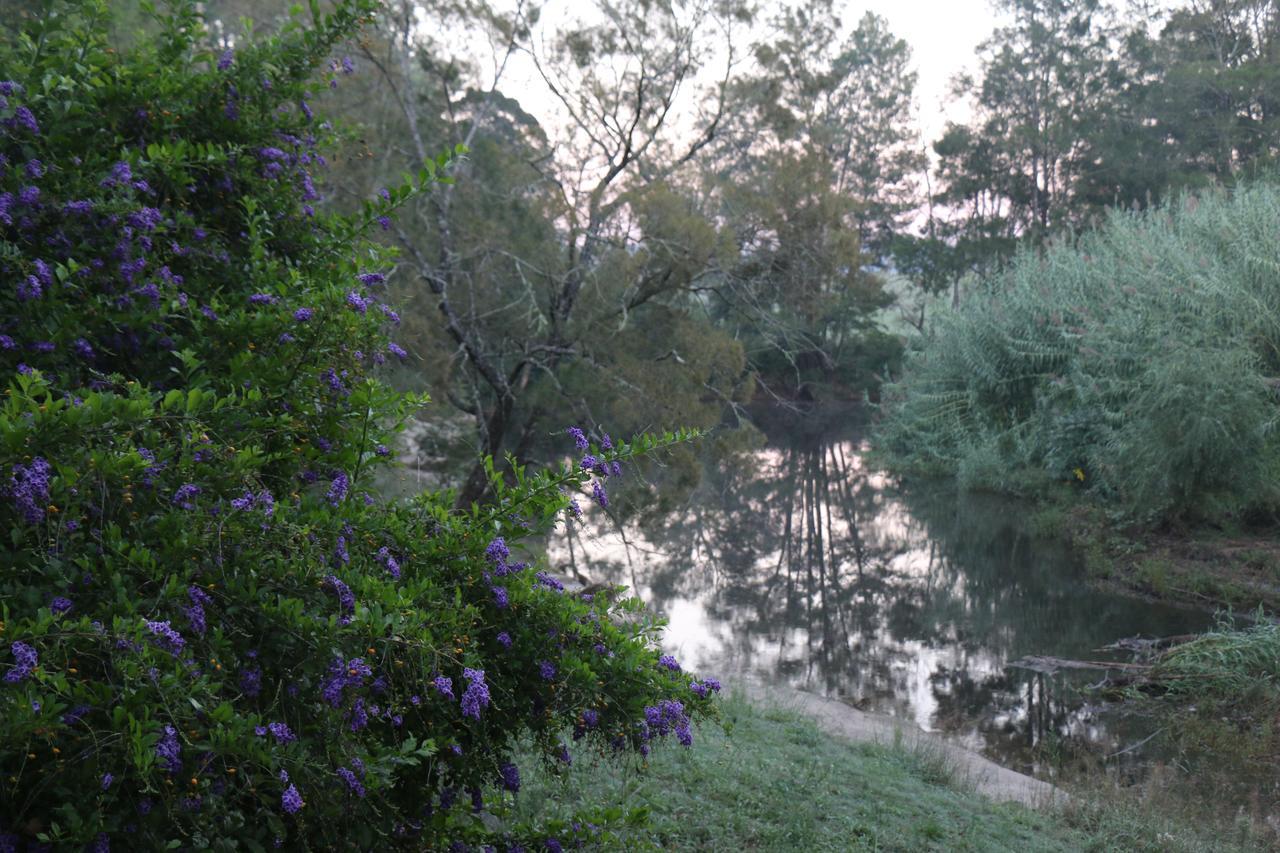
{"x": 774, "y": 779}
{"x": 1237, "y": 569}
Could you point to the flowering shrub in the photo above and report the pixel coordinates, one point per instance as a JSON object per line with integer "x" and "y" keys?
{"x": 213, "y": 635}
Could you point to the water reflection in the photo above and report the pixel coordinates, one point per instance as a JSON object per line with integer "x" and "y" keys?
{"x": 799, "y": 565}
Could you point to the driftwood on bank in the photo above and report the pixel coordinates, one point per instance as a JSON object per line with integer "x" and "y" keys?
{"x": 1048, "y": 665}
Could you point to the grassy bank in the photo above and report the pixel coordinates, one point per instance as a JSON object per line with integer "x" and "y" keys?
{"x": 1216, "y": 567}
{"x": 776, "y": 782}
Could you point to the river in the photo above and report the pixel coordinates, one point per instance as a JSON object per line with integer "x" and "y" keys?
{"x": 799, "y": 566}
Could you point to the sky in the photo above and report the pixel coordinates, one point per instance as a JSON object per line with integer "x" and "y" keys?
{"x": 943, "y": 35}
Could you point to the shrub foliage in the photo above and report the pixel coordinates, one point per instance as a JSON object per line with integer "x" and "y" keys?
{"x": 1140, "y": 363}
{"x": 213, "y": 635}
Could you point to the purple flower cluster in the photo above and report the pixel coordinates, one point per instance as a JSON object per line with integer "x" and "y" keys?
{"x": 166, "y": 638}
{"x": 342, "y": 675}
{"x": 444, "y": 686}
{"x": 291, "y": 800}
{"x": 547, "y": 670}
{"x": 705, "y": 687}
{"x": 666, "y": 716}
{"x": 195, "y": 613}
{"x": 546, "y": 580}
{"x": 338, "y": 489}
{"x": 168, "y": 750}
{"x": 346, "y": 599}
{"x": 353, "y": 784}
{"x": 389, "y": 562}
{"x": 510, "y": 777}
{"x": 29, "y": 489}
{"x": 579, "y": 438}
{"x": 668, "y": 662}
{"x": 183, "y": 497}
{"x": 60, "y": 605}
{"x": 501, "y": 599}
{"x": 26, "y": 660}
{"x": 282, "y": 733}
{"x": 476, "y": 697}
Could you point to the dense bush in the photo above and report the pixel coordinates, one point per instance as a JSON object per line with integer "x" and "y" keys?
{"x": 213, "y": 635}
{"x": 1140, "y": 363}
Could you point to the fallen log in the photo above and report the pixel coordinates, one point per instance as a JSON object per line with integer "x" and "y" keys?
{"x": 1048, "y": 665}
{"x": 1146, "y": 646}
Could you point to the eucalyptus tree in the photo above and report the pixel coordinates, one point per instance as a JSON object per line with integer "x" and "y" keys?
{"x": 560, "y": 267}
{"x": 1045, "y": 80}
{"x": 816, "y": 189}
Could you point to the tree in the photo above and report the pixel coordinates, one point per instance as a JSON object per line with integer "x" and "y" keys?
{"x": 1013, "y": 172}
{"x": 569, "y": 246}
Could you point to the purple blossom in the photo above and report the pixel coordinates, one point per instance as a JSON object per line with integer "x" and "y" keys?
{"x": 579, "y": 438}
{"x": 359, "y": 716}
{"x": 398, "y": 351}
{"x": 80, "y": 207}
{"x": 346, "y": 600}
{"x": 389, "y": 562}
{"x": 476, "y": 697}
{"x": 29, "y": 195}
{"x": 589, "y": 463}
{"x": 385, "y": 222}
{"x": 225, "y": 60}
{"x": 166, "y": 638}
{"x": 500, "y": 597}
{"x": 281, "y": 732}
{"x": 338, "y": 489}
{"x": 606, "y": 443}
{"x": 600, "y": 495}
{"x": 29, "y": 488}
{"x": 591, "y": 717}
{"x": 183, "y": 497}
{"x": 357, "y": 302}
{"x": 34, "y": 169}
{"x": 668, "y": 662}
{"x": 60, "y": 605}
{"x": 352, "y": 783}
{"x": 29, "y": 289}
{"x": 83, "y": 349}
{"x": 444, "y": 686}
{"x": 251, "y": 681}
{"x": 27, "y": 660}
{"x": 23, "y": 117}
{"x": 547, "y": 670}
{"x": 168, "y": 750}
{"x": 146, "y": 219}
{"x": 544, "y": 579}
{"x": 504, "y": 639}
{"x": 510, "y": 777}
{"x": 348, "y": 67}
{"x": 107, "y": 779}
{"x": 263, "y": 299}
{"x": 291, "y": 800}
{"x": 75, "y": 715}
{"x": 575, "y": 508}
{"x": 369, "y": 279}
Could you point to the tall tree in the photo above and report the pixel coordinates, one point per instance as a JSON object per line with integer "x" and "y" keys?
{"x": 553, "y": 242}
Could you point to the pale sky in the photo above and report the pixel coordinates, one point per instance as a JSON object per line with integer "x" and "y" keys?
{"x": 943, "y": 35}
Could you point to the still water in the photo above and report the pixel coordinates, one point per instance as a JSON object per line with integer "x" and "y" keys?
{"x": 799, "y": 566}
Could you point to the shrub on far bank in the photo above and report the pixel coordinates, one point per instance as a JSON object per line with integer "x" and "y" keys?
{"x": 1139, "y": 364}
{"x": 211, "y": 634}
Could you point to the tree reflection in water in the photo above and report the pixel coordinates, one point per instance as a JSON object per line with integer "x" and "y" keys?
{"x": 797, "y": 565}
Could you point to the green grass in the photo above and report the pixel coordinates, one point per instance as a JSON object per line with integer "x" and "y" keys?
{"x": 775, "y": 782}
